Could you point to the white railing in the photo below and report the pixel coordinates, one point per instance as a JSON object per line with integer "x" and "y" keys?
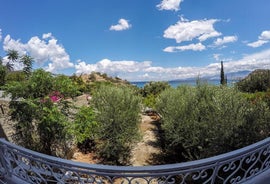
{"x": 20, "y": 165}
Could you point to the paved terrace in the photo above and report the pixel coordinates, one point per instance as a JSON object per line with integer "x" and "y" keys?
{"x": 247, "y": 165}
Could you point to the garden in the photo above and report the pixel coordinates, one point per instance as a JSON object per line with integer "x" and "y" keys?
{"x": 194, "y": 121}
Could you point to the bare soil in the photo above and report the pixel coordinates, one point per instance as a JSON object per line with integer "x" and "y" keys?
{"x": 143, "y": 151}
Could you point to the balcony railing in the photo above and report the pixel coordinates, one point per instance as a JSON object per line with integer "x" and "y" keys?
{"x": 246, "y": 165}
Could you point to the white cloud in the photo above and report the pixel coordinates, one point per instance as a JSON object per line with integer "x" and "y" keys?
{"x": 42, "y": 51}
{"x": 185, "y": 30}
{"x": 216, "y": 57}
{"x": 257, "y": 43}
{"x": 141, "y": 71}
{"x": 47, "y": 35}
{"x": 262, "y": 39}
{"x": 170, "y": 5}
{"x": 194, "y": 47}
{"x": 265, "y": 35}
{"x": 225, "y": 39}
{"x": 209, "y": 35}
{"x": 112, "y": 67}
{"x": 10, "y": 44}
{"x": 122, "y": 25}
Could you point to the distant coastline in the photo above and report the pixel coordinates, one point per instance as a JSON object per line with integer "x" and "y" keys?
{"x": 190, "y": 82}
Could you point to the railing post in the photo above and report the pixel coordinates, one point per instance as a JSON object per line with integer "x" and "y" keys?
{"x": 215, "y": 173}
{"x": 5, "y": 165}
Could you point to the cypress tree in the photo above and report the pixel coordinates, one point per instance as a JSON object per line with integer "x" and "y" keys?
{"x": 223, "y": 80}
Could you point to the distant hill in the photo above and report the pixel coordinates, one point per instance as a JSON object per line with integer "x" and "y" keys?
{"x": 99, "y": 77}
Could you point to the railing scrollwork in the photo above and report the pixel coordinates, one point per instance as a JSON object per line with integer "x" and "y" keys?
{"x": 20, "y": 165}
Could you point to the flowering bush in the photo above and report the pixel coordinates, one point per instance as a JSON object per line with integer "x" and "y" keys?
{"x": 56, "y": 96}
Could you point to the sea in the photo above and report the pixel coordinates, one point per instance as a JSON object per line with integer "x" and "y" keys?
{"x": 190, "y": 82}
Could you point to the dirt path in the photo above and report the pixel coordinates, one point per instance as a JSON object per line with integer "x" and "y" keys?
{"x": 143, "y": 151}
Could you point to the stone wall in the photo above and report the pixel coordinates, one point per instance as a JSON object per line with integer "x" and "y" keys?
{"x": 7, "y": 127}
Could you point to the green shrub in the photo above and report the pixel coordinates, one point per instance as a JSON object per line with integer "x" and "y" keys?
{"x": 258, "y": 80}
{"x": 205, "y": 120}
{"x": 118, "y": 116}
{"x": 52, "y": 128}
{"x": 85, "y": 126}
{"x": 65, "y": 86}
{"x": 154, "y": 88}
{"x": 41, "y": 112}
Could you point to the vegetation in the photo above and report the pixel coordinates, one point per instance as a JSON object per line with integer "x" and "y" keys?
{"x": 7, "y": 73}
{"x": 205, "y": 120}
{"x": 85, "y": 128}
{"x": 118, "y": 116}
{"x": 197, "y": 122}
{"x": 39, "y": 106}
{"x": 223, "y": 79}
{"x": 150, "y": 92}
{"x": 257, "y": 81}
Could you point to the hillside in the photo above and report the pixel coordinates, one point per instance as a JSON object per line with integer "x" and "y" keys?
{"x": 258, "y": 80}
{"x": 98, "y": 77}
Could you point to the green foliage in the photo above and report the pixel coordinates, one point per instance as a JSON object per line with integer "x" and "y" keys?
{"x": 150, "y": 92}
{"x": 40, "y": 84}
{"x": 24, "y": 112}
{"x": 85, "y": 126}
{"x": 3, "y": 73}
{"x": 118, "y": 116}
{"x": 27, "y": 62}
{"x": 81, "y": 85}
{"x": 150, "y": 101}
{"x": 203, "y": 121}
{"x": 257, "y": 81}
{"x": 12, "y": 56}
{"x": 12, "y": 76}
{"x": 52, "y": 128}
{"x": 154, "y": 88}
{"x": 41, "y": 111}
{"x": 65, "y": 86}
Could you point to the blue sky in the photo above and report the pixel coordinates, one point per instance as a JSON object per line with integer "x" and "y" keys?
{"x": 139, "y": 40}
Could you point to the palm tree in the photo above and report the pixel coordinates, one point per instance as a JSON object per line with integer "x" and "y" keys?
{"x": 12, "y": 56}
{"x": 27, "y": 61}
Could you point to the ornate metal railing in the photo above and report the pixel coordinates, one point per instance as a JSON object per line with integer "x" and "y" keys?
{"x": 20, "y": 165}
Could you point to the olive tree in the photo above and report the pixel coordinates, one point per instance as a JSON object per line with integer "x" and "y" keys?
{"x": 117, "y": 113}
{"x": 205, "y": 120}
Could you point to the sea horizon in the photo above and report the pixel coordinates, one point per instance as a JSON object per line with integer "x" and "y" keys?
{"x": 190, "y": 82}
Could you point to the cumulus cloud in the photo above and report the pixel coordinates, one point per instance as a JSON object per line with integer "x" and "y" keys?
{"x": 145, "y": 70}
{"x": 170, "y": 5}
{"x": 225, "y": 39}
{"x": 122, "y": 25}
{"x": 194, "y": 47}
{"x": 11, "y": 44}
{"x": 185, "y": 30}
{"x": 111, "y": 67}
{"x": 43, "y": 51}
{"x": 265, "y": 35}
{"x": 262, "y": 39}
